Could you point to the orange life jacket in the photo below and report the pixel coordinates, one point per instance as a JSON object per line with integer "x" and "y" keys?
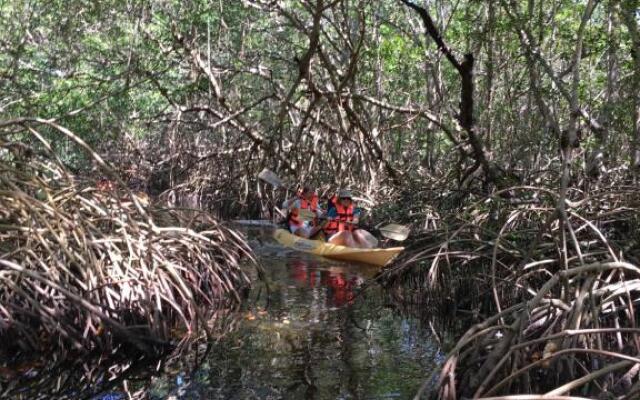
{"x": 345, "y": 214}
{"x": 294, "y": 218}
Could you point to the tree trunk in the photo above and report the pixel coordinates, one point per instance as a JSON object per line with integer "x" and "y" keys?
{"x": 465, "y": 70}
{"x": 629, "y": 11}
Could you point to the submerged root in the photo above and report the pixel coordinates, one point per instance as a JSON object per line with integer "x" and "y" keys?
{"x": 116, "y": 373}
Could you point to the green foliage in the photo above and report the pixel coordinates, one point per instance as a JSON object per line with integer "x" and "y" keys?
{"x": 113, "y": 68}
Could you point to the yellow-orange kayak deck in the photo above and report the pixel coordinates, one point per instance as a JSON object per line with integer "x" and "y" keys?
{"x": 378, "y": 257}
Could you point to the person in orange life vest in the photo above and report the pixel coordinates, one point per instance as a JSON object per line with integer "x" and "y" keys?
{"x": 306, "y": 199}
{"x": 342, "y": 222}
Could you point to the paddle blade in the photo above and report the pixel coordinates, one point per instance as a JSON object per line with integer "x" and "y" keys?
{"x": 270, "y": 177}
{"x": 395, "y": 232}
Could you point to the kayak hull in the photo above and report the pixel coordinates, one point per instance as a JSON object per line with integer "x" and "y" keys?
{"x": 378, "y": 257}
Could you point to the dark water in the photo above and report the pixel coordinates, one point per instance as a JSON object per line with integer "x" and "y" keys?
{"x": 313, "y": 337}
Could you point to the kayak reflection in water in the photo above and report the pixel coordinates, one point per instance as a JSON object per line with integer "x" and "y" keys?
{"x": 340, "y": 284}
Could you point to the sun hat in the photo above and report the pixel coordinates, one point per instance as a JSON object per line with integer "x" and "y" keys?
{"x": 344, "y": 194}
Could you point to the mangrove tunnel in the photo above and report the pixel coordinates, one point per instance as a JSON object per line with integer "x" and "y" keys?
{"x": 320, "y": 199}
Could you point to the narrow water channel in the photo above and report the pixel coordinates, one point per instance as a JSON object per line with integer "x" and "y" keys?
{"x": 313, "y": 337}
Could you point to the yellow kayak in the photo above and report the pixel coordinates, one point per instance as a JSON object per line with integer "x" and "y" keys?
{"x": 377, "y": 257}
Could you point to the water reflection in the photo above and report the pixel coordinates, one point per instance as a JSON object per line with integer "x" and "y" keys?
{"x": 314, "y": 335}
{"x": 340, "y": 281}
{"x": 117, "y": 373}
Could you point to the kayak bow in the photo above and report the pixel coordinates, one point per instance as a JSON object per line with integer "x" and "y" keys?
{"x": 378, "y": 257}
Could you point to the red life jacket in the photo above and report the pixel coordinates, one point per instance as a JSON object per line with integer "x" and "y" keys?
{"x": 345, "y": 214}
{"x": 294, "y": 219}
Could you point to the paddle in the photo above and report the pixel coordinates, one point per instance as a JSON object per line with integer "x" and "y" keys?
{"x": 395, "y": 231}
{"x": 271, "y": 178}
{"x": 391, "y": 231}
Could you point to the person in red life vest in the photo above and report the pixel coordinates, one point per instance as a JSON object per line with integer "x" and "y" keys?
{"x": 304, "y": 204}
{"x": 341, "y": 228}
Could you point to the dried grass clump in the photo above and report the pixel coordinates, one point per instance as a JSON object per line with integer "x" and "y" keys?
{"x": 84, "y": 266}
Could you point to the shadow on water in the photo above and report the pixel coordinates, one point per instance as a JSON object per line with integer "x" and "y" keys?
{"x": 312, "y": 336}
{"x": 106, "y": 374}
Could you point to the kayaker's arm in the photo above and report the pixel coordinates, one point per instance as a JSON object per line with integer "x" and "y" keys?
{"x": 356, "y": 215}
{"x": 290, "y": 203}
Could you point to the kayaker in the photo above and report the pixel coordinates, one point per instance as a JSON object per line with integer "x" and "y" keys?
{"x": 341, "y": 228}
{"x": 305, "y": 200}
